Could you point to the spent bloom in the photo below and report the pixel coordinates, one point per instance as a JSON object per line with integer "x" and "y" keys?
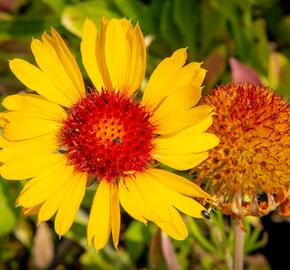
{"x": 64, "y": 137}
{"x": 249, "y": 171}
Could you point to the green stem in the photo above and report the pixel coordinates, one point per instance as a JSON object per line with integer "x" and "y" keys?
{"x": 239, "y": 237}
{"x": 200, "y": 237}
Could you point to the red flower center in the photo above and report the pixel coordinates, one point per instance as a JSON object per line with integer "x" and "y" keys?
{"x": 108, "y": 135}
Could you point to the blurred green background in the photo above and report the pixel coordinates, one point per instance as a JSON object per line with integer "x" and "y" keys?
{"x": 253, "y": 32}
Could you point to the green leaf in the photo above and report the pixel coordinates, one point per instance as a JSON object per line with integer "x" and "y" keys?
{"x": 230, "y": 11}
{"x": 211, "y": 29}
{"x": 90, "y": 260}
{"x": 168, "y": 28}
{"x": 74, "y": 16}
{"x": 26, "y": 27}
{"x": 278, "y": 74}
{"x": 183, "y": 251}
{"x": 139, "y": 12}
{"x": 187, "y": 22}
{"x": 88, "y": 199}
{"x": 135, "y": 238}
{"x": 56, "y": 5}
{"x": 8, "y": 218}
{"x": 197, "y": 234}
{"x": 261, "y": 49}
{"x": 78, "y": 231}
{"x": 9, "y": 249}
{"x": 106, "y": 259}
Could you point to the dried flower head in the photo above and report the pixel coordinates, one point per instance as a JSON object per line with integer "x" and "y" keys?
{"x": 249, "y": 171}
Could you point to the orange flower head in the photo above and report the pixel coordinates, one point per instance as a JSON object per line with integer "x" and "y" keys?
{"x": 248, "y": 172}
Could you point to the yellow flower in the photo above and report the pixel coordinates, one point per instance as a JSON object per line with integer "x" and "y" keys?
{"x": 249, "y": 171}
{"x": 66, "y": 137}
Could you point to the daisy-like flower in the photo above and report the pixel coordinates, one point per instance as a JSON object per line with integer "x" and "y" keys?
{"x": 249, "y": 171}
{"x": 66, "y": 138}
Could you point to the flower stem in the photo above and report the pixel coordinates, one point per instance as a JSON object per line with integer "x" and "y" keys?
{"x": 239, "y": 237}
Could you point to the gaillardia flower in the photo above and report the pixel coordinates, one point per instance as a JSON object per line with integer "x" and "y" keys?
{"x": 249, "y": 171}
{"x": 65, "y": 138}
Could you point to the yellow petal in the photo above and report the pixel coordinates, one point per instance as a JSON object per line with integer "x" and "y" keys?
{"x": 21, "y": 128}
{"x": 44, "y": 184}
{"x": 33, "y": 78}
{"x": 69, "y": 62}
{"x": 131, "y": 201}
{"x": 120, "y": 67}
{"x": 58, "y": 67}
{"x": 186, "y": 148}
{"x": 134, "y": 202}
{"x": 3, "y": 121}
{"x": 177, "y": 183}
{"x": 169, "y": 196}
{"x": 158, "y": 86}
{"x": 70, "y": 203}
{"x": 177, "y": 228}
{"x": 41, "y": 145}
{"x": 138, "y": 60}
{"x": 191, "y": 74}
{"x": 101, "y": 57}
{"x": 174, "y": 112}
{"x": 197, "y": 114}
{"x": 3, "y": 142}
{"x": 186, "y": 142}
{"x": 180, "y": 162}
{"x": 202, "y": 125}
{"x": 157, "y": 203}
{"x": 31, "y": 211}
{"x": 29, "y": 166}
{"x": 183, "y": 98}
{"x": 50, "y": 206}
{"x": 198, "y": 79}
{"x": 99, "y": 225}
{"x": 35, "y": 106}
{"x": 126, "y": 61}
{"x": 188, "y": 206}
{"x": 115, "y": 213}
{"x": 162, "y": 203}
{"x": 90, "y": 51}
